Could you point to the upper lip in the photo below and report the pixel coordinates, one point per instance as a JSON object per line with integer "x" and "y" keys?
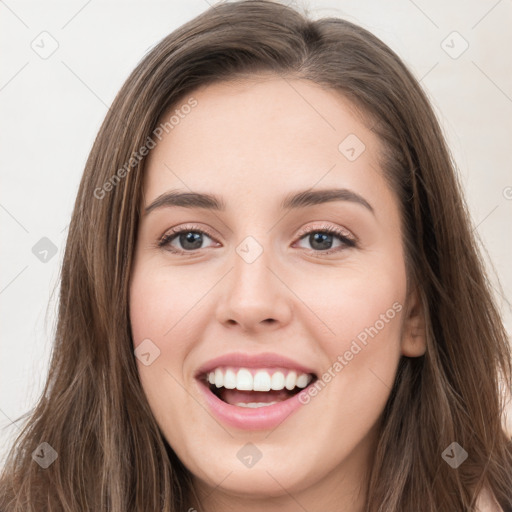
{"x": 264, "y": 360}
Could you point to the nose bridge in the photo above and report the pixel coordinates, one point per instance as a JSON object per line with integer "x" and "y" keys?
{"x": 253, "y": 294}
{"x": 251, "y": 280}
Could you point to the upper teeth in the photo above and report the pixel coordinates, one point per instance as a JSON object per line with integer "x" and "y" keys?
{"x": 263, "y": 380}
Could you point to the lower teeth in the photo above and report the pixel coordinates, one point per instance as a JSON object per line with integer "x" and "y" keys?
{"x": 254, "y": 405}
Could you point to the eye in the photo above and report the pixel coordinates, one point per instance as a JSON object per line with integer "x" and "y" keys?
{"x": 321, "y": 239}
{"x": 189, "y": 237}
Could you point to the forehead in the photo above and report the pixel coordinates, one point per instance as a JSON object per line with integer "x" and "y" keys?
{"x": 264, "y": 134}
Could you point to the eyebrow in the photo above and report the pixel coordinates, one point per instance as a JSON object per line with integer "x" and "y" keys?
{"x": 294, "y": 200}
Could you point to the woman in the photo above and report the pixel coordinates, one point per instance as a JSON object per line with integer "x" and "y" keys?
{"x": 250, "y": 370}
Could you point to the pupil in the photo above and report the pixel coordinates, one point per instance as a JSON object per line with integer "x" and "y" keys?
{"x": 191, "y": 237}
{"x": 325, "y": 240}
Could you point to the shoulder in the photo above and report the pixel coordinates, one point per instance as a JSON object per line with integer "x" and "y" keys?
{"x": 486, "y": 502}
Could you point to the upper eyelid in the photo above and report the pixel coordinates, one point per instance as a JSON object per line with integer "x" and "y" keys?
{"x": 178, "y": 229}
{"x": 207, "y": 231}
{"x": 327, "y": 227}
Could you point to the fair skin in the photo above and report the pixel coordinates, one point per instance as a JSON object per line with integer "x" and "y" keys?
{"x": 252, "y": 143}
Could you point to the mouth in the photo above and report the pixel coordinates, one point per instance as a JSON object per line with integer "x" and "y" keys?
{"x": 254, "y": 391}
{"x": 256, "y": 387}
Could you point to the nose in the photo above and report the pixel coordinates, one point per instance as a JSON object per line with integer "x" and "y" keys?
{"x": 254, "y": 295}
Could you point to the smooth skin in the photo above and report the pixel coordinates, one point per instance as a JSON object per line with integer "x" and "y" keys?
{"x": 252, "y": 143}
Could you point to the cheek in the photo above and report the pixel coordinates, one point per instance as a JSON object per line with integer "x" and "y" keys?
{"x": 160, "y": 317}
{"x": 162, "y": 304}
{"x": 352, "y": 301}
{"x": 360, "y": 316}
{"x": 162, "y": 311}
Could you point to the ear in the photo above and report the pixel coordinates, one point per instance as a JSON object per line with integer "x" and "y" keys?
{"x": 414, "y": 340}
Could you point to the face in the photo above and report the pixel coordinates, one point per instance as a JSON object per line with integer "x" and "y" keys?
{"x": 269, "y": 291}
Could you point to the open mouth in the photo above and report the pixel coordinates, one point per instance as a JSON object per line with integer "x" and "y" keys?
{"x": 243, "y": 387}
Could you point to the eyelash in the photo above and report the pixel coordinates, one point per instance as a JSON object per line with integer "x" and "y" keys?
{"x": 348, "y": 242}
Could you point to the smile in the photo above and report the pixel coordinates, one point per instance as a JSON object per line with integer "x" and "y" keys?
{"x": 253, "y": 398}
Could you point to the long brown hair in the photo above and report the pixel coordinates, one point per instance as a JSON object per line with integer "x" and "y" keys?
{"x": 93, "y": 411}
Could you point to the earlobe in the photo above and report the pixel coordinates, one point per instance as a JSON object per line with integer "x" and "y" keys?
{"x": 414, "y": 340}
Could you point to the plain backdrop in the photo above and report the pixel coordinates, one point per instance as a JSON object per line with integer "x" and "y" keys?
{"x": 63, "y": 62}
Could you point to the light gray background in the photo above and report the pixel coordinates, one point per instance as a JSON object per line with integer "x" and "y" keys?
{"x": 51, "y": 109}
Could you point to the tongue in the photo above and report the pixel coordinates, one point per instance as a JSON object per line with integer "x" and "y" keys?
{"x": 233, "y": 396}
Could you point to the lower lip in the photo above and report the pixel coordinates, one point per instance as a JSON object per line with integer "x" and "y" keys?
{"x": 260, "y": 418}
